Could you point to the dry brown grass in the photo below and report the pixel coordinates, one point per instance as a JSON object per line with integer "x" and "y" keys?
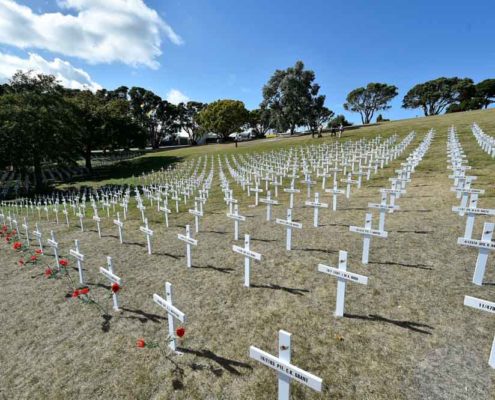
{"x": 406, "y": 335}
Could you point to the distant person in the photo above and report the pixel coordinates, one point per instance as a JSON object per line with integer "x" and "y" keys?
{"x": 341, "y": 130}
{"x": 236, "y": 139}
{"x": 333, "y": 132}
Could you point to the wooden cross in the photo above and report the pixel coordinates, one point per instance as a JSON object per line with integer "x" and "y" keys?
{"x": 79, "y": 258}
{"x": 289, "y": 224}
{"x": 248, "y": 254}
{"x": 367, "y": 232}
{"x": 485, "y": 245}
{"x": 189, "y": 242}
{"x": 120, "y": 225}
{"x": 316, "y": 205}
{"x": 282, "y": 364}
{"x": 148, "y": 232}
{"x": 343, "y": 276}
{"x": 172, "y": 312}
{"x": 108, "y": 273}
{"x": 483, "y": 305}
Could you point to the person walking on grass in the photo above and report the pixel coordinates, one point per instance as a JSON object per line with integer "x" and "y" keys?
{"x": 341, "y": 130}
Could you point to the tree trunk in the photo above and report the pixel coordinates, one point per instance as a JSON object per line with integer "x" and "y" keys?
{"x": 38, "y": 179}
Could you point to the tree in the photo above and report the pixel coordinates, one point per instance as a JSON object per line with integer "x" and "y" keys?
{"x": 289, "y": 95}
{"x": 187, "y": 115}
{"x": 337, "y": 121}
{"x": 318, "y": 115}
{"x": 366, "y": 101}
{"x": 436, "y": 95}
{"x": 486, "y": 91}
{"x": 259, "y": 121}
{"x": 144, "y": 105}
{"x": 224, "y": 117}
{"x": 36, "y": 124}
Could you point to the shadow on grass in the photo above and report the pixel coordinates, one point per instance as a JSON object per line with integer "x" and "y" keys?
{"x": 418, "y": 266}
{"x": 263, "y": 240}
{"x": 225, "y": 363}
{"x": 218, "y": 269}
{"x": 135, "y": 244}
{"x": 105, "y": 325}
{"x": 142, "y": 316}
{"x": 102, "y": 285}
{"x": 418, "y": 232}
{"x": 168, "y": 255}
{"x": 296, "y": 291}
{"x": 413, "y": 326}
{"x": 220, "y": 233}
{"x": 329, "y": 251}
{"x": 418, "y": 211}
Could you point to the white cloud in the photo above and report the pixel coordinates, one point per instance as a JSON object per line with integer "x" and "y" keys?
{"x": 98, "y": 31}
{"x": 68, "y": 75}
{"x": 175, "y": 96}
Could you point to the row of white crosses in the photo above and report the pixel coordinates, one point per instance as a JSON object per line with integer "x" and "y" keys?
{"x": 405, "y": 176}
{"x": 486, "y": 142}
{"x": 469, "y": 207}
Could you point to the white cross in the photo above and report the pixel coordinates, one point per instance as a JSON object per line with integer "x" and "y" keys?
{"x": 394, "y": 193}
{"x": 54, "y": 245}
{"x": 97, "y": 219}
{"x": 484, "y": 245}
{"x": 25, "y": 226}
{"x": 236, "y": 217}
{"x": 79, "y": 258}
{"x": 165, "y": 211}
{"x": 349, "y": 182}
{"x": 197, "y": 213}
{"x": 367, "y": 232}
{"x": 248, "y": 254}
{"x": 384, "y": 208}
{"x": 286, "y": 370}
{"x": 113, "y": 279}
{"x": 471, "y": 211}
{"x": 335, "y": 192}
{"x": 289, "y": 224}
{"x": 66, "y": 213}
{"x": 148, "y": 232}
{"x": 189, "y": 241}
{"x": 291, "y": 192}
{"x": 172, "y": 312}
{"x": 342, "y": 276}
{"x": 120, "y": 225}
{"x": 268, "y": 201}
{"x": 141, "y": 208}
{"x": 37, "y": 234}
{"x": 316, "y": 204}
{"x": 485, "y": 306}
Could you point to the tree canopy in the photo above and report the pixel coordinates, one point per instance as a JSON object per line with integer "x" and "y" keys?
{"x": 367, "y": 100}
{"x": 224, "y": 117}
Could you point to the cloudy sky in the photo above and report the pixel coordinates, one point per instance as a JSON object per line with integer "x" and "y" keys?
{"x": 210, "y": 49}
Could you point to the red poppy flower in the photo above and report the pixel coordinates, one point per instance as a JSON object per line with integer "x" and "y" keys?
{"x": 75, "y": 293}
{"x": 38, "y": 251}
{"x": 84, "y": 290}
{"x": 48, "y": 272}
{"x": 13, "y": 232}
{"x": 33, "y": 258}
{"x": 63, "y": 263}
{"x": 140, "y": 343}
{"x": 21, "y": 262}
{"x": 17, "y": 245}
{"x": 115, "y": 287}
{"x": 180, "y": 331}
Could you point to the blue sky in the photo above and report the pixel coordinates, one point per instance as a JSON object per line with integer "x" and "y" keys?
{"x": 206, "y": 50}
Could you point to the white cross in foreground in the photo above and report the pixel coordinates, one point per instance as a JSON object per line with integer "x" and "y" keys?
{"x": 342, "y": 276}
{"x": 172, "y": 312}
{"x": 289, "y": 224}
{"x": 485, "y": 306}
{"x": 282, "y": 364}
{"x": 484, "y": 245}
{"x": 248, "y": 254}
{"x": 189, "y": 241}
{"x": 367, "y": 232}
{"x": 113, "y": 279}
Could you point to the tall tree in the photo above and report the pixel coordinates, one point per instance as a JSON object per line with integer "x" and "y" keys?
{"x": 259, "y": 121}
{"x": 224, "y": 117}
{"x": 318, "y": 115}
{"x": 144, "y": 105}
{"x": 436, "y": 95}
{"x": 36, "y": 124}
{"x": 367, "y": 100}
{"x": 167, "y": 115}
{"x": 486, "y": 91}
{"x": 188, "y": 119}
{"x": 288, "y": 95}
